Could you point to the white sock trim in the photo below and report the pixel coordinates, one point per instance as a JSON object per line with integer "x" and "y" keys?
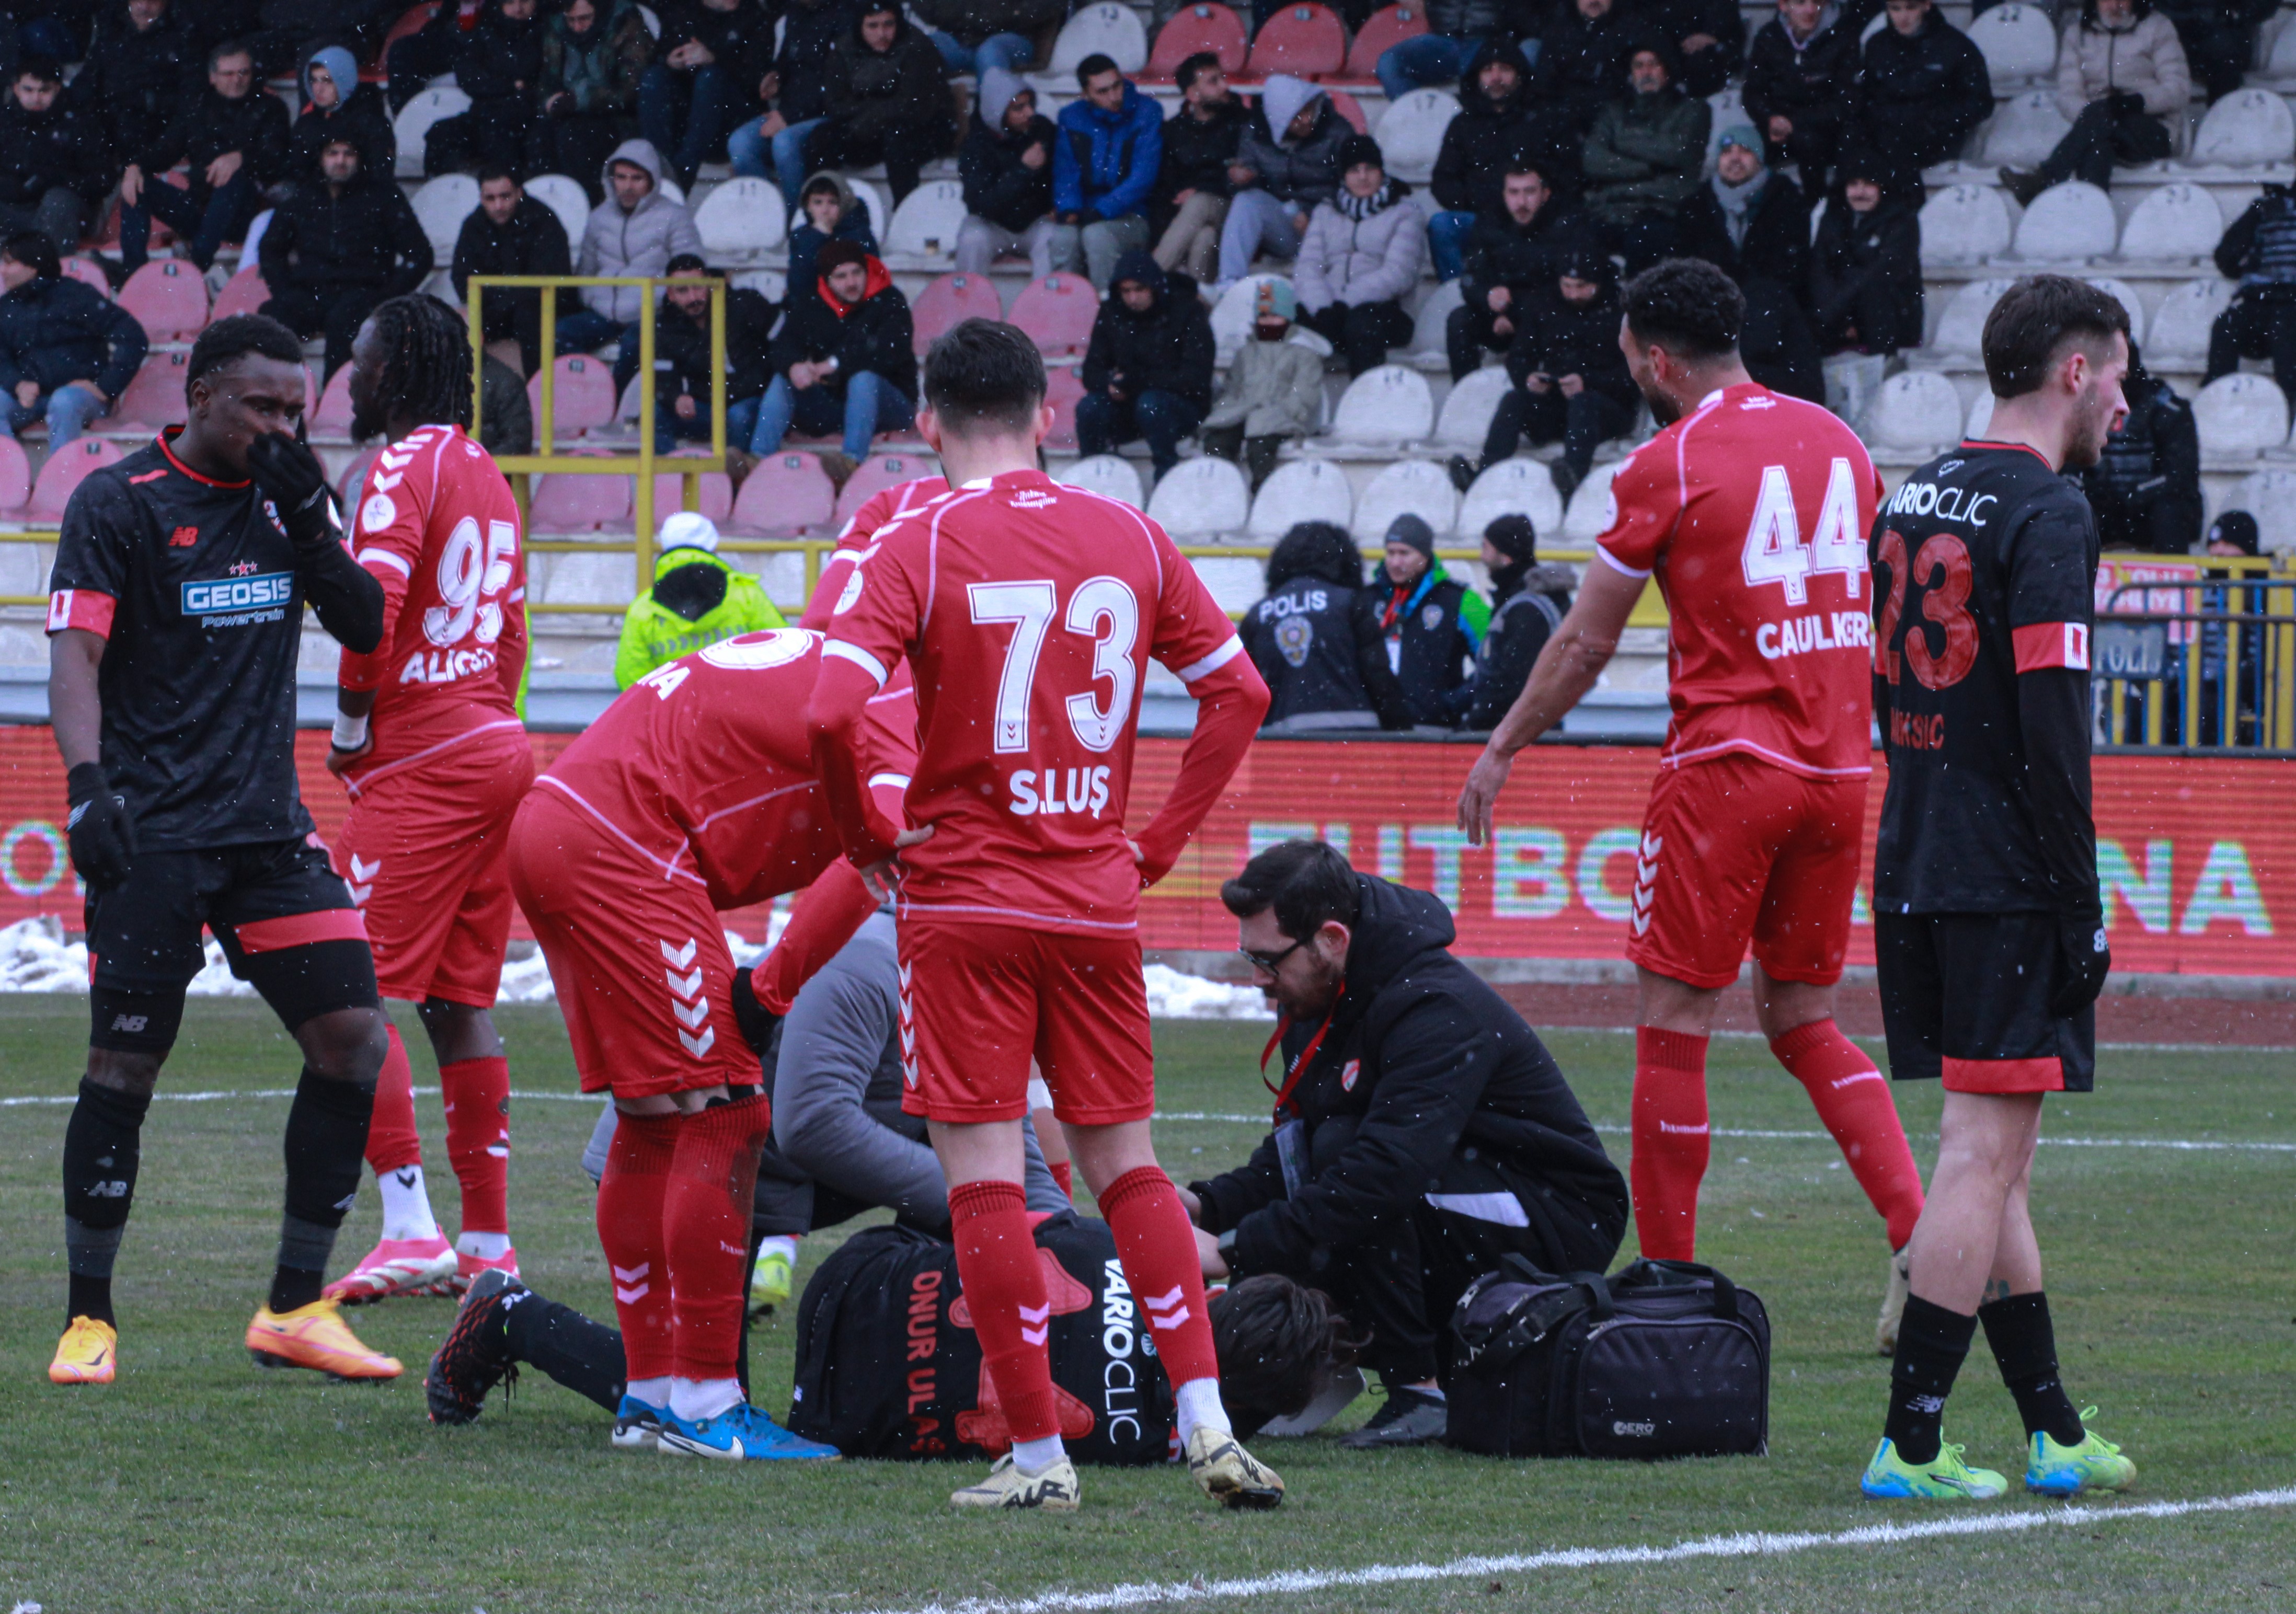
{"x": 692, "y": 1400}
{"x": 406, "y": 1204}
{"x": 1033, "y": 1457}
{"x": 1199, "y": 1408}
{"x": 485, "y": 1246}
{"x": 653, "y": 1392}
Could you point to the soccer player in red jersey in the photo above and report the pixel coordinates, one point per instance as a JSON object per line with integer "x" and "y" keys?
{"x": 695, "y": 792}
{"x": 855, "y": 538}
{"x": 429, "y": 744}
{"x": 1028, "y": 611}
{"x": 1750, "y": 509}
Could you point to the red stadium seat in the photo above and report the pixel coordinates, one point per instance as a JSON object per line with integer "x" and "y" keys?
{"x": 168, "y": 298}
{"x": 951, "y": 301}
{"x": 243, "y": 293}
{"x": 15, "y": 477}
{"x": 572, "y": 501}
{"x": 155, "y": 398}
{"x": 1382, "y": 32}
{"x": 63, "y": 473}
{"x": 1205, "y": 26}
{"x": 1348, "y": 108}
{"x": 87, "y": 272}
{"x": 716, "y": 495}
{"x": 786, "y": 494}
{"x": 332, "y": 417}
{"x": 879, "y": 472}
{"x": 1058, "y": 312}
{"x": 1307, "y": 41}
{"x": 583, "y": 397}
{"x": 1062, "y": 391}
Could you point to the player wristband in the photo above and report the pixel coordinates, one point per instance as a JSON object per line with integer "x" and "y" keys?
{"x": 350, "y": 732}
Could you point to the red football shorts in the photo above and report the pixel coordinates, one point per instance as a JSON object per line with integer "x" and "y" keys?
{"x": 423, "y": 851}
{"x": 978, "y": 1001}
{"x": 639, "y": 960}
{"x": 1735, "y": 850}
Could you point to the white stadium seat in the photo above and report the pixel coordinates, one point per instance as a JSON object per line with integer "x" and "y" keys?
{"x": 2068, "y": 223}
{"x": 441, "y": 206}
{"x": 1590, "y": 506}
{"x": 742, "y": 218}
{"x": 1419, "y": 486}
{"x": 1429, "y": 324}
{"x": 2180, "y": 324}
{"x": 1961, "y": 328}
{"x": 1467, "y": 412}
{"x": 1981, "y": 416}
{"x": 2270, "y": 496}
{"x": 1108, "y": 29}
{"x": 2019, "y": 43}
{"x": 2240, "y": 414}
{"x": 2025, "y": 129}
{"x": 566, "y": 197}
{"x": 1517, "y": 487}
{"x": 1916, "y": 410}
{"x": 587, "y": 579}
{"x": 1410, "y": 133}
{"x": 1387, "y": 404}
{"x": 1202, "y": 498}
{"x": 2280, "y": 55}
{"x": 1302, "y": 490}
{"x": 2123, "y": 293}
{"x": 2247, "y": 129}
{"x": 413, "y": 124}
{"x": 873, "y": 204}
{"x": 1110, "y": 475}
{"x": 1231, "y": 315}
{"x": 1964, "y": 223}
{"x": 925, "y": 224}
{"x": 2174, "y": 221}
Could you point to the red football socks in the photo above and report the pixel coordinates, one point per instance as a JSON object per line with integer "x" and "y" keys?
{"x": 705, "y": 1217}
{"x": 1670, "y": 1142}
{"x": 1063, "y": 1173}
{"x": 1157, "y": 1244}
{"x": 1853, "y": 1099}
{"x": 392, "y": 1142}
{"x": 630, "y": 1193}
{"x": 997, "y": 1267}
{"x": 477, "y": 1093}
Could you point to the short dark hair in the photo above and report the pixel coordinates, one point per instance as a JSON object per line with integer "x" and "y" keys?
{"x": 1686, "y": 306}
{"x": 42, "y": 68}
{"x": 496, "y": 170}
{"x": 1195, "y": 67}
{"x": 1092, "y": 66}
{"x": 33, "y": 250}
{"x": 685, "y": 261}
{"x": 1523, "y": 162}
{"x": 2036, "y": 320}
{"x": 983, "y": 371}
{"x": 821, "y": 184}
{"x": 1307, "y": 883}
{"x": 226, "y": 49}
{"x": 1275, "y": 1340}
{"x": 234, "y": 338}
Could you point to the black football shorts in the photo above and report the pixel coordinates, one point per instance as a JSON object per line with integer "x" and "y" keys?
{"x": 1965, "y": 997}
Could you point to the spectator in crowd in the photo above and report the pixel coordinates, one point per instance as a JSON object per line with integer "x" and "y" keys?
{"x": 591, "y": 61}
{"x": 1315, "y": 639}
{"x": 2219, "y": 38}
{"x": 682, "y": 370}
{"x": 1571, "y": 378}
{"x": 1582, "y": 59}
{"x": 2145, "y": 487}
{"x": 827, "y": 210}
{"x": 67, "y": 351}
{"x": 887, "y": 100}
{"x": 1104, "y": 164}
{"x": 1458, "y": 31}
{"x": 1288, "y": 161}
{"x": 695, "y": 599}
{"x": 52, "y": 168}
{"x": 2258, "y": 251}
{"x": 498, "y": 65}
{"x": 336, "y": 104}
{"x": 1513, "y": 255}
{"x": 1746, "y": 221}
{"x": 2121, "y": 71}
{"x": 235, "y": 141}
{"x": 336, "y": 249}
{"x": 1007, "y": 164}
{"x": 1800, "y": 74}
{"x": 636, "y": 230}
{"x": 1645, "y": 158}
{"x": 139, "y": 72}
{"x": 1922, "y": 87}
{"x": 1360, "y": 256}
{"x": 510, "y": 232}
{"x": 415, "y": 59}
{"x": 1709, "y": 37}
{"x": 1274, "y": 391}
{"x": 707, "y": 65}
{"x": 974, "y": 36}
{"x": 1433, "y": 625}
{"x": 1189, "y": 204}
{"x": 1148, "y": 373}
{"x": 505, "y": 414}
{"x": 289, "y": 30}
{"x": 1865, "y": 267}
{"x": 772, "y": 147}
{"x": 1498, "y": 128}
{"x": 845, "y": 360}
{"x": 1529, "y": 602}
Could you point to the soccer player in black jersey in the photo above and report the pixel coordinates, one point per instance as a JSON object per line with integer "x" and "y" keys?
{"x": 1988, "y": 927}
{"x": 174, "y": 619}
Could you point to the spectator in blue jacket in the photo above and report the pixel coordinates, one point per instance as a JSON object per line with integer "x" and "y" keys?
{"x": 67, "y": 351}
{"x": 1104, "y": 166}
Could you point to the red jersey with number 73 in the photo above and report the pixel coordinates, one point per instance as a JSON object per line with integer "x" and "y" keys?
{"x": 1028, "y": 611}
{"x": 1751, "y": 512}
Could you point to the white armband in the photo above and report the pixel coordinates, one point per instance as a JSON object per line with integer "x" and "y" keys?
{"x": 350, "y": 732}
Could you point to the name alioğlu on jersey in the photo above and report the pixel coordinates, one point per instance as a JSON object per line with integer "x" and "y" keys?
{"x": 1984, "y": 567}
{"x": 191, "y": 582}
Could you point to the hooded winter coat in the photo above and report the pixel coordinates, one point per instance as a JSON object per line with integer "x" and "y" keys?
{"x": 55, "y": 330}
{"x": 1424, "y": 1072}
{"x": 494, "y": 61}
{"x": 1554, "y": 336}
{"x": 1869, "y": 260}
{"x": 1488, "y": 134}
{"x": 2146, "y": 486}
{"x": 1303, "y": 172}
{"x": 1315, "y": 638}
{"x": 1800, "y": 82}
{"x": 875, "y": 333}
{"x": 806, "y": 242}
{"x": 815, "y": 29}
{"x": 62, "y": 146}
{"x": 1524, "y": 258}
{"x": 358, "y": 115}
{"x": 1273, "y": 389}
{"x": 1776, "y": 245}
{"x": 1105, "y": 163}
{"x": 740, "y": 40}
{"x": 597, "y": 72}
{"x": 640, "y": 241}
{"x": 1168, "y": 349}
{"x": 872, "y": 92}
{"x": 1932, "y": 87}
{"x": 208, "y": 124}
{"x": 1373, "y": 259}
{"x": 1434, "y": 629}
{"x": 1647, "y": 152}
{"x": 1527, "y": 604}
{"x": 1197, "y": 152}
{"x": 998, "y": 186}
{"x": 366, "y": 236}
{"x": 681, "y": 349}
{"x": 2143, "y": 58}
{"x": 133, "y": 83}
{"x": 1582, "y": 64}
{"x": 972, "y": 21}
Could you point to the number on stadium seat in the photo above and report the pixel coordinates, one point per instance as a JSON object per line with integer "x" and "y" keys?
{"x": 1101, "y": 610}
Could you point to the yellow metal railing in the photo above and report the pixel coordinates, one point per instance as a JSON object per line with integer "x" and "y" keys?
{"x": 2208, "y": 664}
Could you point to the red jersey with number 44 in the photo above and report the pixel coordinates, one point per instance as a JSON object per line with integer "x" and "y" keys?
{"x": 1751, "y": 512}
{"x": 438, "y": 526}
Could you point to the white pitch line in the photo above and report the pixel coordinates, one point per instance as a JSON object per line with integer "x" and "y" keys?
{"x": 1754, "y": 1545}
{"x": 219, "y": 1094}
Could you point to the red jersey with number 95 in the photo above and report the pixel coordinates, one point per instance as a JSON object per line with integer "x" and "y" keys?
{"x": 1751, "y": 512}
{"x": 436, "y": 526}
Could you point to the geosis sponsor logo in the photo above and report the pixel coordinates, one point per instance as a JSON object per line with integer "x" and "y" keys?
{"x": 220, "y": 596}
{"x": 1053, "y": 790}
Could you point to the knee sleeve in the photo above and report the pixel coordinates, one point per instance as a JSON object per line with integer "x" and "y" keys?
{"x": 325, "y": 1144}
{"x": 133, "y": 1022}
{"x": 103, "y": 1150}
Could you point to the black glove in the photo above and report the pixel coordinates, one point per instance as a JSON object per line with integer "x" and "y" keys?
{"x": 757, "y": 1022}
{"x": 2126, "y": 104}
{"x": 102, "y": 835}
{"x": 2087, "y": 960}
{"x": 293, "y": 479}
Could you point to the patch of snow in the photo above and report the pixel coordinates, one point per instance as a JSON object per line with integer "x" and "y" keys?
{"x": 1172, "y": 995}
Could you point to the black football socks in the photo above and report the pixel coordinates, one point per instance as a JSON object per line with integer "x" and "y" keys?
{"x": 325, "y": 1141}
{"x": 584, "y": 1355}
{"x": 1932, "y": 1344}
{"x": 2025, "y": 1345}
{"x": 103, "y": 1150}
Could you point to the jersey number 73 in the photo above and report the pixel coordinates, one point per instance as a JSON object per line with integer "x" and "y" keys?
{"x": 1102, "y": 610}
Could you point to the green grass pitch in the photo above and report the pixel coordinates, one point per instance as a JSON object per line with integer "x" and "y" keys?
{"x": 197, "y": 1482}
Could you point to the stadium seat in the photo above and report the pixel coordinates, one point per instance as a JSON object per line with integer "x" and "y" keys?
{"x": 1916, "y": 409}
{"x": 1058, "y": 312}
{"x": 1961, "y": 328}
{"x": 1429, "y": 324}
{"x": 877, "y": 473}
{"x": 652, "y": 21}
{"x": 2068, "y": 223}
{"x": 2025, "y": 129}
{"x": 566, "y": 197}
{"x": 2124, "y": 294}
{"x": 1468, "y": 409}
{"x": 64, "y": 470}
{"x": 2019, "y": 43}
{"x": 1063, "y": 391}
{"x": 1110, "y": 475}
{"x": 1386, "y": 405}
{"x": 1307, "y": 41}
{"x": 15, "y": 484}
{"x": 948, "y": 302}
{"x": 1350, "y": 110}
{"x": 606, "y": 578}
{"x": 1590, "y": 505}
{"x": 155, "y": 398}
{"x": 1231, "y": 315}
{"x": 740, "y": 219}
{"x": 86, "y": 270}
{"x": 786, "y": 494}
{"x": 2236, "y": 415}
{"x": 2270, "y": 496}
{"x": 1410, "y": 133}
{"x": 2179, "y": 330}
{"x": 1204, "y": 26}
{"x": 925, "y": 224}
{"x": 243, "y": 293}
{"x": 1980, "y": 417}
{"x": 2176, "y": 221}
{"x": 1108, "y": 29}
{"x": 168, "y": 298}
{"x": 1964, "y": 223}
{"x": 717, "y": 493}
{"x": 1419, "y": 487}
{"x": 583, "y": 397}
{"x": 2279, "y": 54}
{"x": 1382, "y": 32}
{"x": 574, "y": 501}
{"x": 1513, "y": 488}
{"x": 2249, "y": 128}
{"x": 1202, "y": 498}
{"x": 413, "y": 124}
{"x": 440, "y": 206}
{"x": 1302, "y": 490}
{"x": 880, "y": 216}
